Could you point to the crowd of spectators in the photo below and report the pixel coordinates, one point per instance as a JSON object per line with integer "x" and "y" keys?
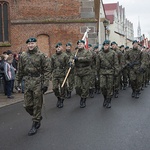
{"x": 8, "y": 68}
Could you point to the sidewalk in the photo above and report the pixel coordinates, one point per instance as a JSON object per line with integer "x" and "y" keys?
{"x": 18, "y": 97}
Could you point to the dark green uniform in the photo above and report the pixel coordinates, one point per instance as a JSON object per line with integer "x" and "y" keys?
{"x": 59, "y": 65}
{"x": 137, "y": 63}
{"x": 108, "y": 66}
{"x": 34, "y": 69}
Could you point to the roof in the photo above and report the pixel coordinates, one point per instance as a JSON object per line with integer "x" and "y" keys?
{"x": 110, "y": 18}
{"x": 111, "y": 6}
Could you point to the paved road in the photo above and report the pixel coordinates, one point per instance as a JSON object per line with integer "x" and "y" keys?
{"x": 126, "y": 126}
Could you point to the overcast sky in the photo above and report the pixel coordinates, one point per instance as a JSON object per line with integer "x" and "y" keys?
{"x": 135, "y": 9}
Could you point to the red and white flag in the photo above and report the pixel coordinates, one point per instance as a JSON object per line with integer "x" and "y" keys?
{"x": 85, "y": 37}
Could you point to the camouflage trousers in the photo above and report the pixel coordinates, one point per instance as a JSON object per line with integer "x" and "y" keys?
{"x": 70, "y": 82}
{"x": 58, "y": 91}
{"x": 136, "y": 80}
{"x": 82, "y": 86}
{"x": 33, "y": 97}
{"x": 92, "y": 80}
{"x": 106, "y": 85}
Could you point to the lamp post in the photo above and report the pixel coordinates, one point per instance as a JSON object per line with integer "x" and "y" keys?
{"x": 105, "y": 22}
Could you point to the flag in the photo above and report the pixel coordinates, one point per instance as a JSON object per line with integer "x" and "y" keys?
{"x": 85, "y": 37}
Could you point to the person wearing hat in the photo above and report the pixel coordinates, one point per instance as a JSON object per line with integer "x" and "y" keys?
{"x": 82, "y": 66}
{"x": 34, "y": 69}
{"x": 97, "y": 76}
{"x": 59, "y": 66}
{"x": 70, "y": 80}
{"x": 92, "y": 74}
{"x": 121, "y": 61}
{"x": 137, "y": 63}
{"x": 108, "y": 67}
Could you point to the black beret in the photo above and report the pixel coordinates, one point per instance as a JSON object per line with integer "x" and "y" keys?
{"x": 31, "y": 40}
{"x": 58, "y": 44}
{"x": 135, "y": 41}
{"x": 81, "y": 41}
{"x": 9, "y": 52}
{"x": 68, "y": 44}
{"x": 96, "y": 47}
{"x": 89, "y": 45}
{"x": 113, "y": 43}
{"x": 127, "y": 47}
{"x": 121, "y": 46}
{"x": 106, "y": 42}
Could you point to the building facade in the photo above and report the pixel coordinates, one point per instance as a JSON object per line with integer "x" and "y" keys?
{"x": 121, "y": 29}
{"x": 49, "y": 21}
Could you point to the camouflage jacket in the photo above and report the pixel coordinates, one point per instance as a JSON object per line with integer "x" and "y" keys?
{"x": 83, "y": 64}
{"x": 59, "y": 64}
{"x": 107, "y": 63}
{"x": 33, "y": 63}
{"x": 136, "y": 57}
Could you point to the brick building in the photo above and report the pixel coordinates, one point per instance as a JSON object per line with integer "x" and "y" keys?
{"x": 50, "y": 21}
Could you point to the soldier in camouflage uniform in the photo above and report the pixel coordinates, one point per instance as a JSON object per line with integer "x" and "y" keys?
{"x": 124, "y": 80}
{"x": 70, "y": 79}
{"x": 82, "y": 70}
{"x": 136, "y": 62}
{"x": 97, "y": 76}
{"x": 121, "y": 64}
{"x": 92, "y": 74}
{"x": 34, "y": 69}
{"x": 59, "y": 65}
{"x": 108, "y": 66}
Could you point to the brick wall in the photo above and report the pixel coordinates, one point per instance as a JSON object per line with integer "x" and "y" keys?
{"x": 50, "y": 22}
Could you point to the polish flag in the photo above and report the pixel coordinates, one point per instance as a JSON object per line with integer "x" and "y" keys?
{"x": 85, "y": 37}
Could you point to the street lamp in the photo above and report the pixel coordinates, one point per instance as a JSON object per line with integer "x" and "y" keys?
{"x": 105, "y": 22}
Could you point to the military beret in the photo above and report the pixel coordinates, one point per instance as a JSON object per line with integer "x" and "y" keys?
{"x": 96, "y": 47}
{"x": 68, "y": 44}
{"x": 89, "y": 45}
{"x": 58, "y": 44}
{"x": 9, "y": 52}
{"x": 106, "y": 42}
{"x": 121, "y": 46}
{"x": 81, "y": 41}
{"x": 113, "y": 43}
{"x": 135, "y": 41}
{"x": 127, "y": 47}
{"x": 31, "y": 40}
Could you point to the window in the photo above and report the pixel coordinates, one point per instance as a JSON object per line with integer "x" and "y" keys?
{"x": 4, "y": 34}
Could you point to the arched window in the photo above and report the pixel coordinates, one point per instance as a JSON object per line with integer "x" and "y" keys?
{"x": 4, "y": 32}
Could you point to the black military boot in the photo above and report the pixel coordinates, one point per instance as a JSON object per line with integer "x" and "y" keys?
{"x": 133, "y": 93}
{"x": 98, "y": 91}
{"x": 91, "y": 94}
{"x": 33, "y": 129}
{"x": 82, "y": 102}
{"x": 137, "y": 94}
{"x": 105, "y": 101}
{"x": 61, "y": 103}
{"x": 116, "y": 94}
{"x": 68, "y": 94}
{"x": 38, "y": 124}
{"x": 58, "y": 102}
{"x": 108, "y": 105}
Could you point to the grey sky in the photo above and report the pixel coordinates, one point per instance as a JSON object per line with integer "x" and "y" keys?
{"x": 135, "y": 9}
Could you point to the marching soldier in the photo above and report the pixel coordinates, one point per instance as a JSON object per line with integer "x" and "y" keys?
{"x": 34, "y": 69}
{"x": 70, "y": 80}
{"x": 82, "y": 70}
{"x": 136, "y": 62}
{"x": 97, "y": 76}
{"x": 92, "y": 74}
{"x": 108, "y": 66}
{"x": 121, "y": 64}
{"x": 59, "y": 65}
